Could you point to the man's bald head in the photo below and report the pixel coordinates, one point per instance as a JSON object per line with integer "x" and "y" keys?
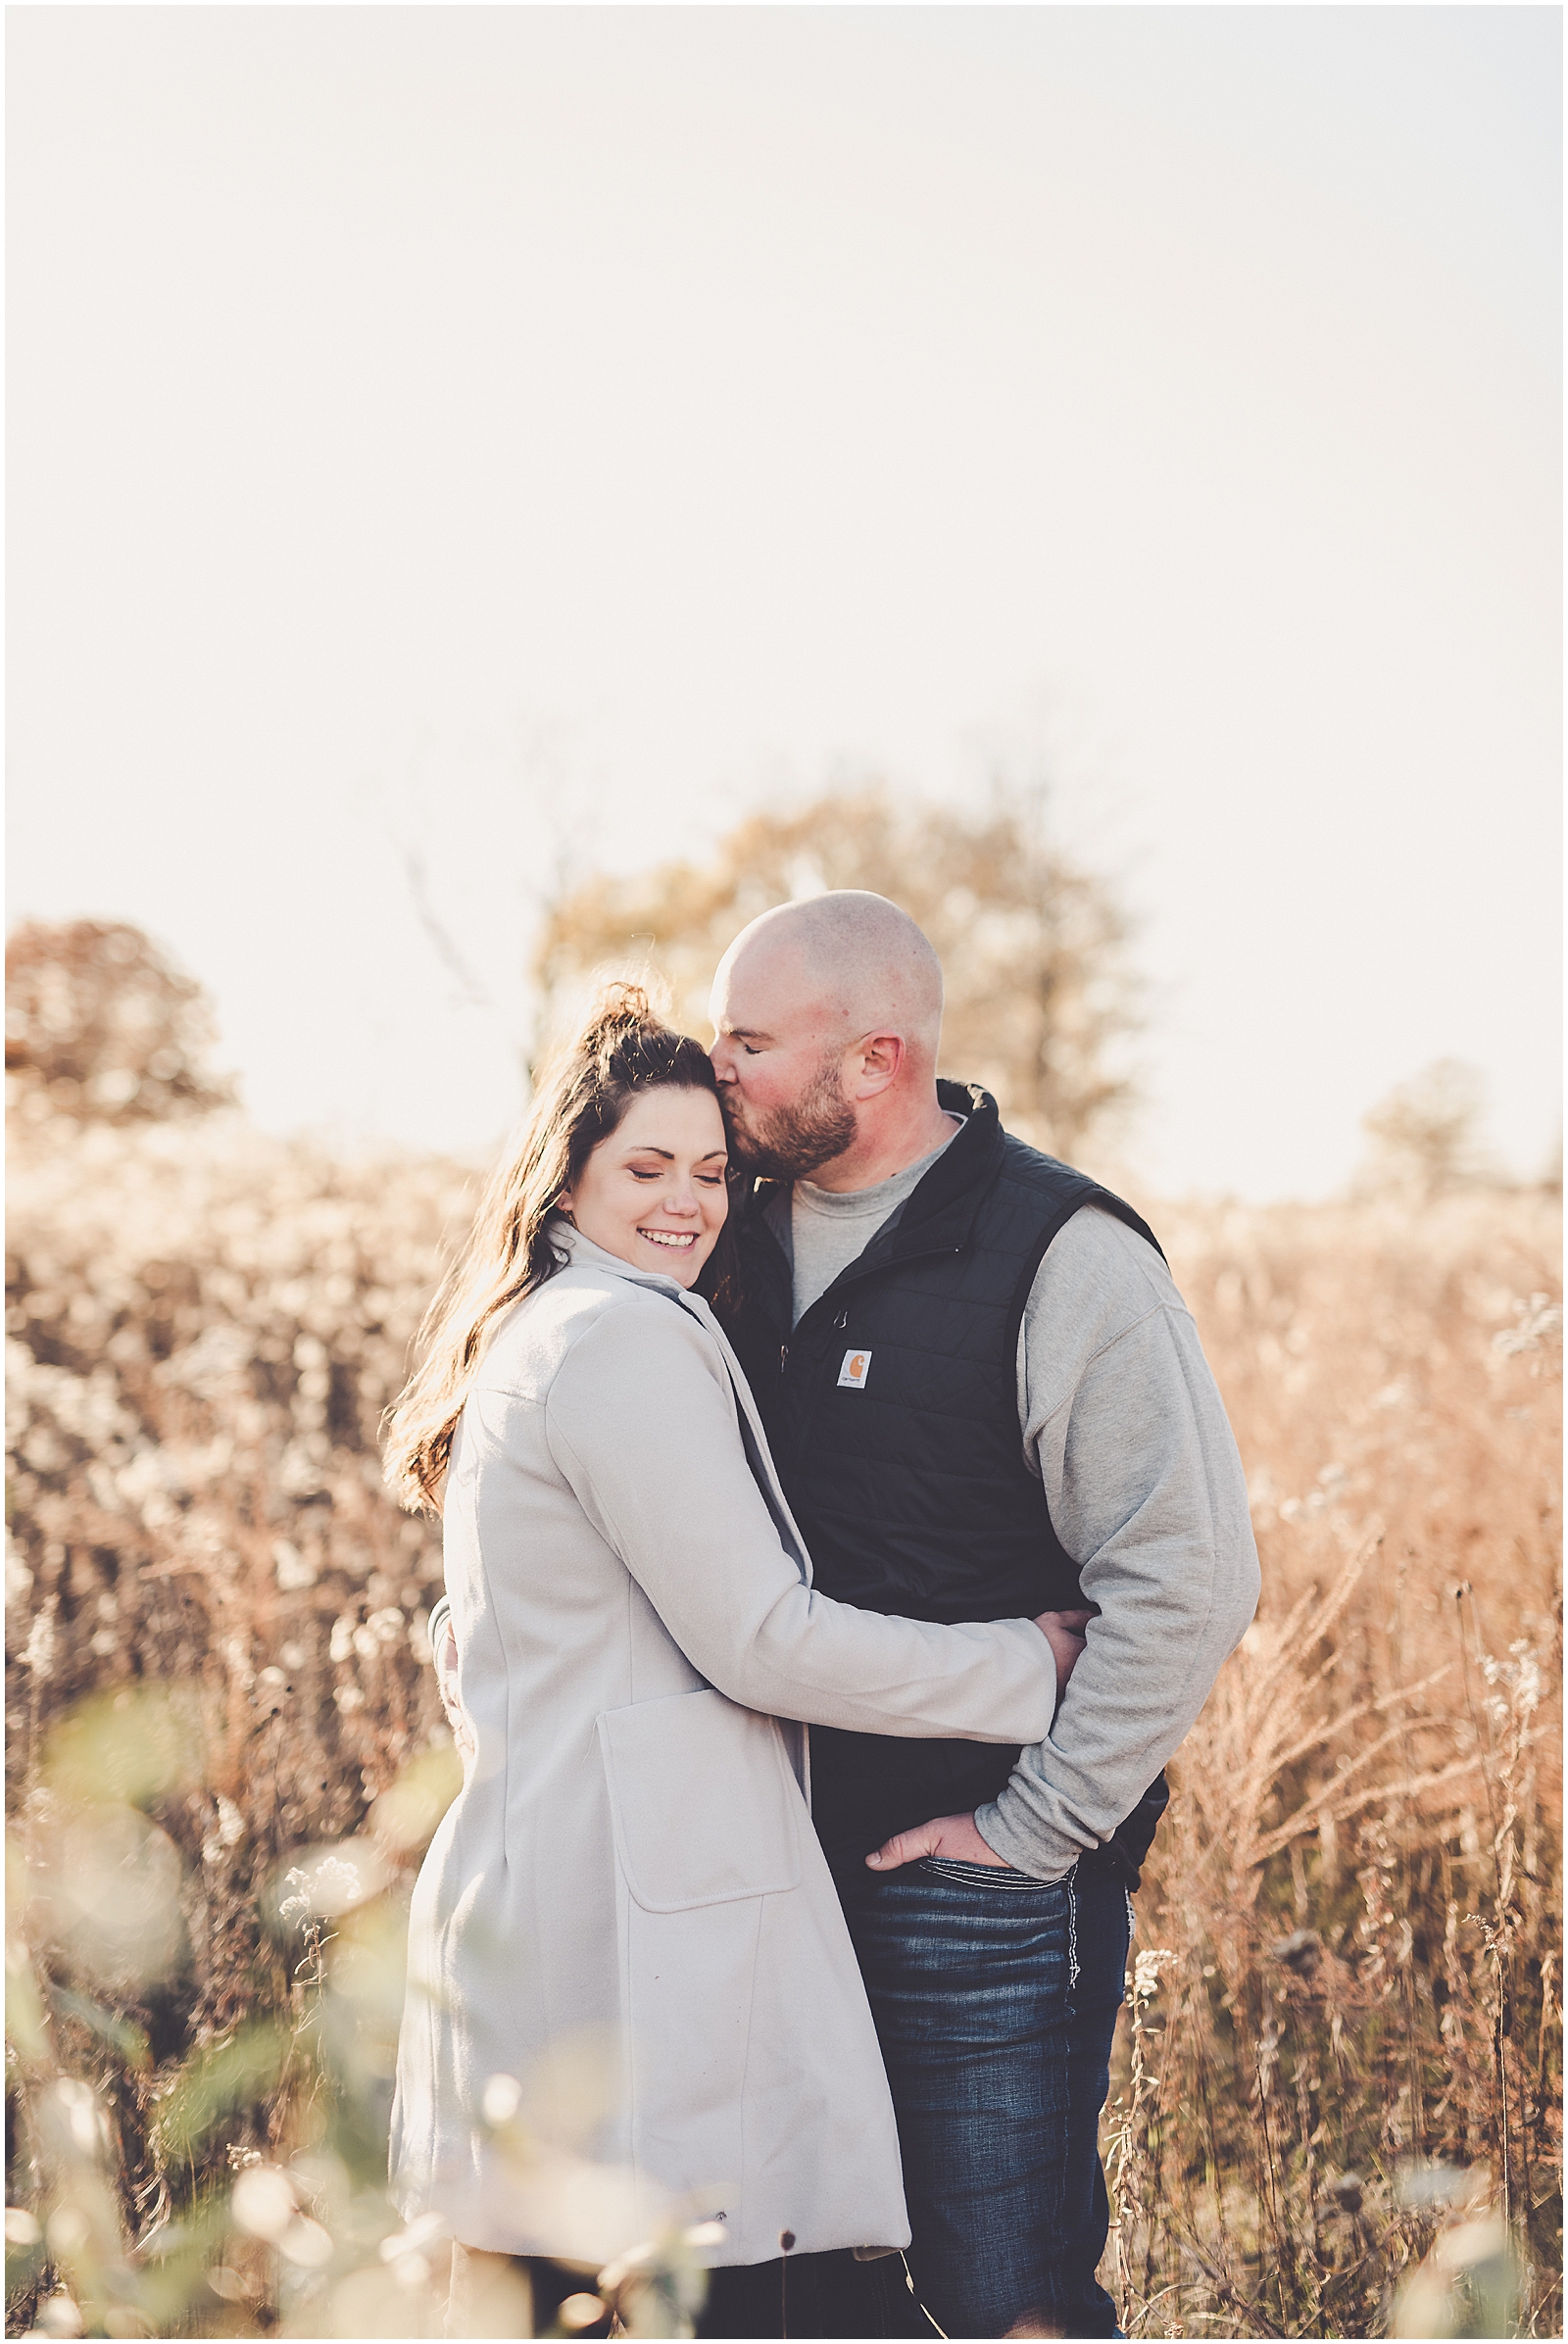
{"x": 852, "y": 960}
{"x": 827, "y": 1015}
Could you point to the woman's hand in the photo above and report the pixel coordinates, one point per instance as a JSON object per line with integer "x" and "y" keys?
{"x": 1063, "y": 1631}
{"x": 446, "y": 1679}
{"x": 956, "y": 1835}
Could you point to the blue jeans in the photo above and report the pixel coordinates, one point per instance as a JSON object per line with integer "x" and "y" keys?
{"x": 996, "y": 1998}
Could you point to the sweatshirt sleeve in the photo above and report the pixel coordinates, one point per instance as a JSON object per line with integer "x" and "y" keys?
{"x": 1124, "y": 1423}
{"x": 642, "y": 1424}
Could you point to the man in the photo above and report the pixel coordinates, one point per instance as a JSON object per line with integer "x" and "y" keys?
{"x": 985, "y": 1398}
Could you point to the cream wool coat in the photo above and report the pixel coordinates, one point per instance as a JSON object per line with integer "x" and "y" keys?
{"x": 627, "y": 1892}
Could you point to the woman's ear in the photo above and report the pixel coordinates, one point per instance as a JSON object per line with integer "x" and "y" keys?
{"x": 563, "y": 1205}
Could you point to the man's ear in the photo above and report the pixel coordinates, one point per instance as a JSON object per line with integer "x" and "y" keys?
{"x": 875, "y": 1065}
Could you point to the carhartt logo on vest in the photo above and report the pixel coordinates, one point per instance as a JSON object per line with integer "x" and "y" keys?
{"x": 853, "y": 1371}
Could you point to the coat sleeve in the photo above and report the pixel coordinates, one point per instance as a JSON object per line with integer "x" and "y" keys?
{"x": 641, "y": 1424}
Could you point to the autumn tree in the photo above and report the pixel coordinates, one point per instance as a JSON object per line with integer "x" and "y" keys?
{"x": 101, "y": 1026}
{"x": 1040, "y": 998}
{"x": 1426, "y": 1134}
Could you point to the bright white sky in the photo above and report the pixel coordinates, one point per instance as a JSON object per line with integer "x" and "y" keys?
{"x": 504, "y": 429}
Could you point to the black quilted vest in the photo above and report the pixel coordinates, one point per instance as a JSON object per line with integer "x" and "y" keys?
{"x": 906, "y": 1473}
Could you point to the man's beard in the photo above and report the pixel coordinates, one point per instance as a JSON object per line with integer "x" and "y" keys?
{"x": 791, "y": 1142}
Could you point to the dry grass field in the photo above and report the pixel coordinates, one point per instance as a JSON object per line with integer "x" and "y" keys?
{"x": 1346, "y": 2011}
{"x": 1335, "y": 2106}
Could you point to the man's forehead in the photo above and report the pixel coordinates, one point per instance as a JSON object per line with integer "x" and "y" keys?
{"x": 768, "y": 984}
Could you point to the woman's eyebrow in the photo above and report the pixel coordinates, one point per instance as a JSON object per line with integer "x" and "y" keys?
{"x": 645, "y": 1148}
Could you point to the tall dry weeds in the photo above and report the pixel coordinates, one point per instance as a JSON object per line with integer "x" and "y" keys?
{"x": 1345, "y": 2008}
{"x": 1359, "y": 1885}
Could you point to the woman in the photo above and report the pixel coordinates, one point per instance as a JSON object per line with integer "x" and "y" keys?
{"x": 628, "y": 1877}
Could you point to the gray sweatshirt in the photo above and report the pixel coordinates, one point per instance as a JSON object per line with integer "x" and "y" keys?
{"x": 1121, "y": 1421}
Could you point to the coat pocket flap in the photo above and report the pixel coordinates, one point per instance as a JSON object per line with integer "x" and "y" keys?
{"x": 704, "y": 1804}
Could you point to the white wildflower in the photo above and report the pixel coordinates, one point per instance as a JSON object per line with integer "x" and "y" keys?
{"x": 1149, "y": 1969}
{"x": 293, "y": 1569}
{"x": 502, "y": 2095}
{"x": 1538, "y": 1317}
{"x": 39, "y": 1654}
{"x": 227, "y": 1832}
{"x": 264, "y": 2202}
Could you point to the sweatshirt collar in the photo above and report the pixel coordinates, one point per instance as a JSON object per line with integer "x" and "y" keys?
{"x": 949, "y": 1194}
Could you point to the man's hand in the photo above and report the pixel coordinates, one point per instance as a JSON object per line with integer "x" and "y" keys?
{"x": 1063, "y": 1631}
{"x": 951, "y": 1835}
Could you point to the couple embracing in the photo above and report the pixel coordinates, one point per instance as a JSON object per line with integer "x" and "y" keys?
{"x": 841, "y": 1528}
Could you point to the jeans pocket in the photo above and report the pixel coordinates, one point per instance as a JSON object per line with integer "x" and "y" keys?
{"x": 979, "y": 1876}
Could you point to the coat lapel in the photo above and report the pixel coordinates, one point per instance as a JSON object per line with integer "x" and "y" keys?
{"x": 585, "y": 1254}
{"x": 759, "y": 1456}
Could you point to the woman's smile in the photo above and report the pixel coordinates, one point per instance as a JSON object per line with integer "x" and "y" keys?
{"x": 665, "y": 1155}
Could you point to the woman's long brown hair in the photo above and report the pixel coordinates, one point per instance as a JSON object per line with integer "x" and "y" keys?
{"x": 621, "y": 1051}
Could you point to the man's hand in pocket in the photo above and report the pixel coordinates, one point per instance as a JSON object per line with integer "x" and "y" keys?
{"x": 952, "y": 1835}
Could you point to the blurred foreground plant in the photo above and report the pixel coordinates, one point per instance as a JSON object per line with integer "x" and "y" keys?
{"x": 241, "y": 2189}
